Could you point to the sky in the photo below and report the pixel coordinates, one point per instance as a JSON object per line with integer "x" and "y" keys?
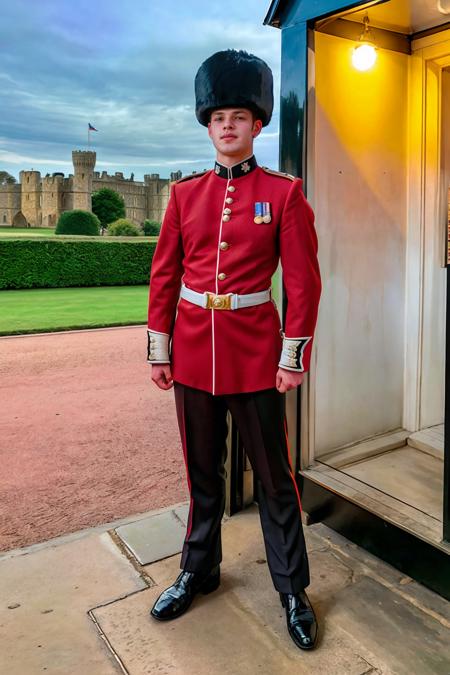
{"x": 126, "y": 67}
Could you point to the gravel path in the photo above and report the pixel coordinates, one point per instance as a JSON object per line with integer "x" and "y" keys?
{"x": 85, "y": 436}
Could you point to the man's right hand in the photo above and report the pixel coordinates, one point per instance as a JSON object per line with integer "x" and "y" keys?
{"x": 162, "y": 376}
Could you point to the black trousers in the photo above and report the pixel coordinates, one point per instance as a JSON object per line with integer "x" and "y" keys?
{"x": 261, "y": 421}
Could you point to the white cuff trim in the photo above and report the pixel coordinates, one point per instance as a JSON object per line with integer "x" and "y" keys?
{"x": 157, "y": 347}
{"x": 292, "y": 353}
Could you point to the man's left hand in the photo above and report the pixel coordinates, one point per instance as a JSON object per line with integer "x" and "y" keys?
{"x": 288, "y": 379}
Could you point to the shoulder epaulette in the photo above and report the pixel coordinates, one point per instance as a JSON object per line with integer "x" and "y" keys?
{"x": 191, "y": 175}
{"x": 278, "y": 173}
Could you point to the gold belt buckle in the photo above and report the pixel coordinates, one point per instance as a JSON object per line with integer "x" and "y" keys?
{"x": 218, "y": 301}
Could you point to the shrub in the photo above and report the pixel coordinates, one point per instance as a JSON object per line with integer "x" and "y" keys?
{"x": 78, "y": 222}
{"x": 151, "y": 228}
{"x": 108, "y": 206}
{"x": 123, "y": 228}
{"x": 55, "y": 262}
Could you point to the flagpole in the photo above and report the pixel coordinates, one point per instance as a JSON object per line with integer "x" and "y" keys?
{"x": 90, "y": 128}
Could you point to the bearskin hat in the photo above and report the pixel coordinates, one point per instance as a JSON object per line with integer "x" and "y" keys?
{"x": 237, "y": 79}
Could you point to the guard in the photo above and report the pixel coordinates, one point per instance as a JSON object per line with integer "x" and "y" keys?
{"x": 214, "y": 332}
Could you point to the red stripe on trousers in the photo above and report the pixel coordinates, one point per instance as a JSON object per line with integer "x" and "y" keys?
{"x": 291, "y": 471}
{"x": 184, "y": 446}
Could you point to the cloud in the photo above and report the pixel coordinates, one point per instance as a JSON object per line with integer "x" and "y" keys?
{"x": 128, "y": 68}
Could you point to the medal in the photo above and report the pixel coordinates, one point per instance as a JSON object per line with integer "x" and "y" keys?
{"x": 266, "y": 212}
{"x": 258, "y": 219}
{"x": 262, "y": 213}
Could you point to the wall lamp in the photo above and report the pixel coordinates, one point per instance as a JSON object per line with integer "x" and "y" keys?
{"x": 364, "y": 54}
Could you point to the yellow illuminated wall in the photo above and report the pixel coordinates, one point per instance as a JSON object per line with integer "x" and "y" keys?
{"x": 358, "y": 181}
{"x": 365, "y": 110}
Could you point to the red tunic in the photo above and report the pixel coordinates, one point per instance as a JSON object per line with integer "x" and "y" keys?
{"x": 233, "y": 351}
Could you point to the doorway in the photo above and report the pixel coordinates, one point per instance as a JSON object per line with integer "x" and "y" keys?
{"x": 19, "y": 220}
{"x": 381, "y": 157}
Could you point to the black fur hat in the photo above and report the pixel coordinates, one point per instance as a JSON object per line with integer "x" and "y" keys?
{"x": 234, "y": 78}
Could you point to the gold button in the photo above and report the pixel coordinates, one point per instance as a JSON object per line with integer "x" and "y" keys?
{"x": 227, "y": 211}
{"x": 229, "y": 200}
{"x": 226, "y": 218}
{"x": 222, "y": 276}
{"x": 224, "y": 245}
{"x": 231, "y": 188}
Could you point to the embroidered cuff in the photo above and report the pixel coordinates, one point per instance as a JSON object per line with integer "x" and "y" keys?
{"x": 292, "y": 353}
{"x": 157, "y": 347}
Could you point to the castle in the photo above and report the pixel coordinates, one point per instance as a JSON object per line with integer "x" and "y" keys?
{"x": 39, "y": 201}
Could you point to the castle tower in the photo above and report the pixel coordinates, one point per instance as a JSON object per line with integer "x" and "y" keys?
{"x": 83, "y": 164}
{"x": 157, "y": 192}
{"x": 31, "y": 196}
{"x": 52, "y": 196}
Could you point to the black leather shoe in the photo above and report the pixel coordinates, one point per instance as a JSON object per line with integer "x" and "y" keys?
{"x": 176, "y": 599}
{"x": 301, "y": 620}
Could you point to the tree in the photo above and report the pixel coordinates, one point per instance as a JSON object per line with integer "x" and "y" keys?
{"x": 78, "y": 222}
{"x": 108, "y": 206}
{"x": 6, "y": 178}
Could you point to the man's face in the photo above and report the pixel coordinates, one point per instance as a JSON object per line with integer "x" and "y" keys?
{"x": 232, "y": 130}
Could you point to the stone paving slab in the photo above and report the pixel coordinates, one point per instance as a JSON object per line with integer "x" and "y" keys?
{"x": 239, "y": 629}
{"x": 400, "y": 633}
{"x": 82, "y": 606}
{"x": 218, "y": 635}
{"x": 155, "y": 538}
{"x": 44, "y": 600}
{"x": 182, "y": 512}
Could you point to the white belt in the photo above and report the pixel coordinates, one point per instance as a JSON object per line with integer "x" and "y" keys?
{"x": 225, "y": 301}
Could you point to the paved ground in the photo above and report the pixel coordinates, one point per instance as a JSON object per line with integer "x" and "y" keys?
{"x": 90, "y": 613}
{"x": 81, "y": 444}
{"x": 86, "y": 437}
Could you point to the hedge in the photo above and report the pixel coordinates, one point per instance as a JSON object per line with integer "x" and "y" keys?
{"x": 57, "y": 263}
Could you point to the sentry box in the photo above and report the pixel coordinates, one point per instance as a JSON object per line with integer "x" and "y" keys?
{"x": 365, "y": 121}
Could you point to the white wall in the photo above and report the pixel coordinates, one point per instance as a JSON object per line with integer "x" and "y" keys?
{"x": 433, "y": 345}
{"x": 359, "y": 188}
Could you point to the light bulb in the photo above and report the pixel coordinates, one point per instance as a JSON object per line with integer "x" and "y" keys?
{"x": 364, "y": 56}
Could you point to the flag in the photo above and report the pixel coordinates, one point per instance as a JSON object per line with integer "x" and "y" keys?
{"x": 91, "y": 128}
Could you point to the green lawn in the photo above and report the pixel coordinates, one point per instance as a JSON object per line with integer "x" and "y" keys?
{"x": 27, "y": 231}
{"x": 39, "y": 310}
{"x": 48, "y": 309}
{"x": 42, "y": 232}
